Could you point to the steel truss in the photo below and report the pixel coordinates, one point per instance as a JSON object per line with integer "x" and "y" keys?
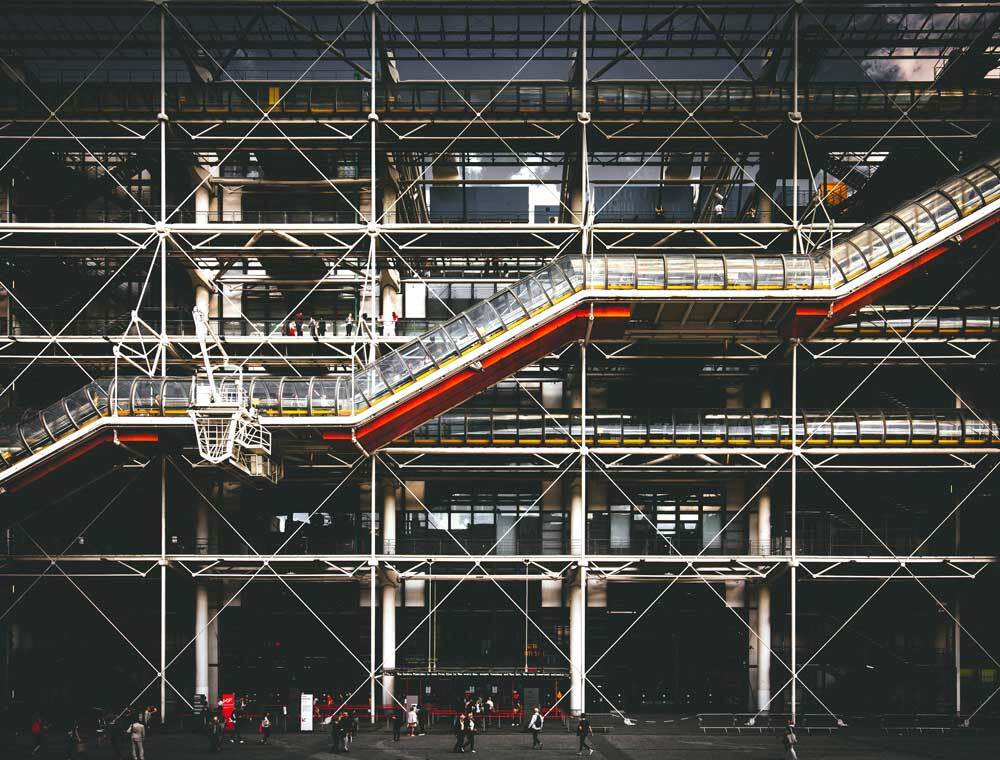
{"x": 596, "y": 36}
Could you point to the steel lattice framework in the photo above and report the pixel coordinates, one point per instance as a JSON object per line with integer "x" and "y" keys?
{"x": 146, "y": 150}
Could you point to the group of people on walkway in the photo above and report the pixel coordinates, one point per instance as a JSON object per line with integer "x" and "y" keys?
{"x": 133, "y": 726}
{"x": 343, "y": 731}
{"x": 302, "y": 326}
{"x": 415, "y": 717}
{"x": 469, "y": 723}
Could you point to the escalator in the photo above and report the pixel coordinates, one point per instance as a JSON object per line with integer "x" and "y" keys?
{"x": 572, "y": 298}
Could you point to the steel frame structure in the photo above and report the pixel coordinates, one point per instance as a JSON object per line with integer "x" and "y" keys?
{"x": 589, "y": 39}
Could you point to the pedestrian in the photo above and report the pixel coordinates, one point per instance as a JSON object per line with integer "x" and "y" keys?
{"x": 350, "y": 324}
{"x": 350, "y": 731}
{"x": 322, "y": 328}
{"x": 291, "y": 329}
{"x": 422, "y": 720}
{"x": 395, "y": 320}
{"x": 215, "y": 734}
{"x": 137, "y": 733}
{"x": 459, "y": 728}
{"x": 583, "y": 730}
{"x": 37, "y": 730}
{"x": 74, "y": 743}
{"x": 788, "y": 741}
{"x": 116, "y": 728}
{"x": 470, "y": 732}
{"x": 477, "y": 711}
{"x": 397, "y": 723}
{"x": 265, "y": 728}
{"x": 411, "y": 720}
{"x": 313, "y": 327}
{"x": 535, "y": 726}
{"x": 488, "y": 713}
{"x": 515, "y": 703}
{"x": 335, "y": 734}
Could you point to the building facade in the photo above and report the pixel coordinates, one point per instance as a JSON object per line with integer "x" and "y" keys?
{"x": 628, "y": 357}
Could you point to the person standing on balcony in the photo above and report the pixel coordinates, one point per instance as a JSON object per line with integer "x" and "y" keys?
{"x": 349, "y": 323}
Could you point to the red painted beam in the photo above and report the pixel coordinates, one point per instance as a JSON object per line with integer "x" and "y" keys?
{"x": 809, "y": 320}
{"x": 74, "y": 453}
{"x": 609, "y": 321}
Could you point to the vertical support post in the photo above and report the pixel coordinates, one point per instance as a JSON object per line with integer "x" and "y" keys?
{"x": 372, "y": 216}
{"x": 764, "y": 647}
{"x": 958, "y": 657}
{"x": 796, "y": 118}
{"x": 163, "y": 589}
{"x": 201, "y": 616}
{"x": 584, "y": 157}
{"x": 958, "y": 614}
{"x": 162, "y": 118}
{"x": 580, "y": 618}
{"x": 372, "y": 116}
{"x": 388, "y": 593}
{"x": 794, "y": 508}
{"x": 371, "y": 601}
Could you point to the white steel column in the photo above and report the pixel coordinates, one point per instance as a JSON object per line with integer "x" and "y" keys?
{"x": 372, "y": 231}
{"x": 763, "y": 643}
{"x": 958, "y": 657}
{"x": 161, "y": 227}
{"x": 163, "y": 590}
{"x": 577, "y": 593}
{"x": 577, "y": 623}
{"x": 794, "y": 549}
{"x": 763, "y": 647}
{"x": 388, "y": 593}
{"x": 201, "y": 616}
{"x": 764, "y": 522}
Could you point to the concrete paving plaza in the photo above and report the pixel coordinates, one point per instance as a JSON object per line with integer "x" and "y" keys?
{"x": 646, "y": 743}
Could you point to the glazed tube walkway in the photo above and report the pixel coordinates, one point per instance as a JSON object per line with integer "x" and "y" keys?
{"x": 572, "y": 298}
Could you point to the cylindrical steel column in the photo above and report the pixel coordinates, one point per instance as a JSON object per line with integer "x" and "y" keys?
{"x": 201, "y": 616}
{"x": 388, "y": 593}
{"x": 763, "y": 647}
{"x": 577, "y": 610}
{"x": 764, "y": 522}
{"x": 388, "y": 641}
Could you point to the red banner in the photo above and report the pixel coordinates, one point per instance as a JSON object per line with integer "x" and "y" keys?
{"x": 228, "y": 705}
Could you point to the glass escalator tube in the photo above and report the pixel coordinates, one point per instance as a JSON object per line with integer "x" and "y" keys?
{"x": 986, "y": 178}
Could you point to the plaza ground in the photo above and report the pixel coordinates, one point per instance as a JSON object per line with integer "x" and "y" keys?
{"x": 644, "y": 742}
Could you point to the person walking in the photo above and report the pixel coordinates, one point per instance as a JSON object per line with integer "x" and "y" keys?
{"x": 74, "y": 742}
{"x": 215, "y": 734}
{"x": 411, "y": 720}
{"x": 583, "y": 730}
{"x": 336, "y": 737}
{"x": 515, "y": 704}
{"x": 265, "y": 728}
{"x": 488, "y": 713}
{"x": 459, "y": 728}
{"x": 422, "y": 720}
{"x": 137, "y": 733}
{"x": 397, "y": 719}
{"x": 349, "y": 323}
{"x": 350, "y": 731}
{"x": 535, "y": 726}
{"x": 470, "y": 732}
{"x": 789, "y": 741}
{"x": 37, "y": 732}
{"x": 116, "y": 728}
